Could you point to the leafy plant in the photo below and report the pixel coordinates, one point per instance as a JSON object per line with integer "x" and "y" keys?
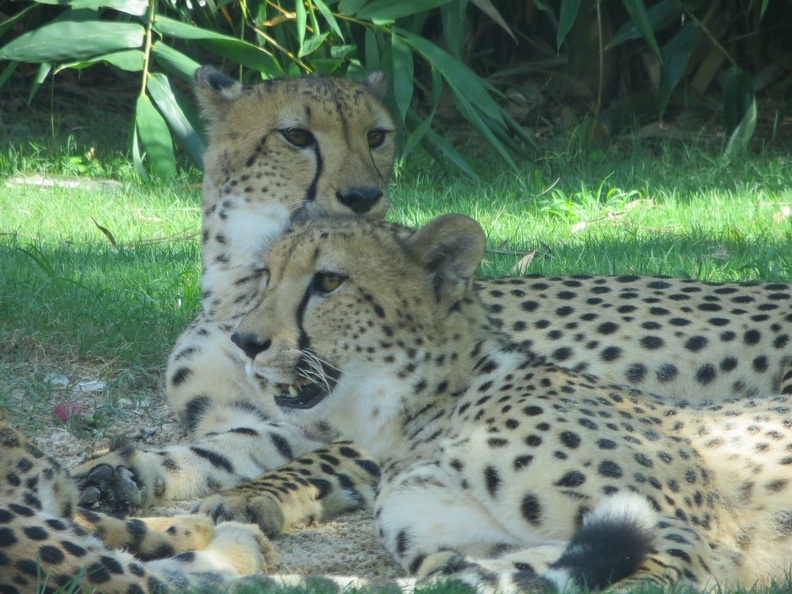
{"x": 162, "y": 39}
{"x": 686, "y": 27}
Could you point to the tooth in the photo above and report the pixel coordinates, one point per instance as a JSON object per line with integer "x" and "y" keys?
{"x": 292, "y": 391}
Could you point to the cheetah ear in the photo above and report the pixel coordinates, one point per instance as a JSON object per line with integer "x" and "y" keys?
{"x": 450, "y": 248}
{"x": 214, "y": 91}
{"x": 377, "y": 84}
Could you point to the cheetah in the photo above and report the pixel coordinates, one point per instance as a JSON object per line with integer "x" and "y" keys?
{"x": 499, "y": 467}
{"x": 277, "y": 151}
{"x": 293, "y": 148}
{"x": 48, "y": 544}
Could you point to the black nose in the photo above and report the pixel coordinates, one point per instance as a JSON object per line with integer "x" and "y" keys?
{"x": 250, "y": 343}
{"x": 360, "y": 200}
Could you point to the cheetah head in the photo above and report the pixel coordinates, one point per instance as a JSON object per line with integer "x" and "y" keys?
{"x": 351, "y": 309}
{"x": 304, "y": 145}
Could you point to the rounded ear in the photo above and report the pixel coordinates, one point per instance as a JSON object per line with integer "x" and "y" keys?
{"x": 450, "y": 249}
{"x": 214, "y": 90}
{"x": 377, "y": 84}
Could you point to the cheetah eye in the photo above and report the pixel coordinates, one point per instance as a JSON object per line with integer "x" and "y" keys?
{"x": 299, "y": 137}
{"x": 375, "y": 138}
{"x": 264, "y": 275}
{"x": 327, "y": 282}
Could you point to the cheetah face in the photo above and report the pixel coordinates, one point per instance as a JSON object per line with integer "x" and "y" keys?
{"x": 352, "y": 307}
{"x": 299, "y": 146}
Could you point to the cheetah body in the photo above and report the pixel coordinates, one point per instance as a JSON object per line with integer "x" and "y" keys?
{"x": 491, "y": 455}
{"x": 314, "y": 146}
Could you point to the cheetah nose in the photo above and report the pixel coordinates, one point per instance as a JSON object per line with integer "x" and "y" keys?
{"x": 360, "y": 200}
{"x": 250, "y": 343}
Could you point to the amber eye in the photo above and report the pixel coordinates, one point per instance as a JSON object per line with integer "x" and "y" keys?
{"x": 376, "y": 138}
{"x": 327, "y": 282}
{"x": 299, "y": 137}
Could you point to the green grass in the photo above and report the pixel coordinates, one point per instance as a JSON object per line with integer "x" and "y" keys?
{"x": 98, "y": 281}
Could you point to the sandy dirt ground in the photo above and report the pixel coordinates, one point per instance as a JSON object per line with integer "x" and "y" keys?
{"x": 347, "y": 546}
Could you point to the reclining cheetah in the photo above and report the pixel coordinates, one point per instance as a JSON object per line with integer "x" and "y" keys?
{"x": 314, "y": 146}
{"x": 491, "y": 455}
{"x": 47, "y": 543}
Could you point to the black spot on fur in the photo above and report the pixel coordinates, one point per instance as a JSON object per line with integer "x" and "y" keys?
{"x": 531, "y": 509}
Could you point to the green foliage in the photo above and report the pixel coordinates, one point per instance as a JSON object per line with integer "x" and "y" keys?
{"x": 162, "y": 39}
{"x": 682, "y": 25}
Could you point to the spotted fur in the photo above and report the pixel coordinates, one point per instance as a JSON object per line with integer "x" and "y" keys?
{"x": 315, "y": 146}
{"x": 491, "y": 454}
{"x": 48, "y": 543}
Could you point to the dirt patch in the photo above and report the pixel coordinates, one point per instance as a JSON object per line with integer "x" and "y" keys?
{"x": 348, "y": 546}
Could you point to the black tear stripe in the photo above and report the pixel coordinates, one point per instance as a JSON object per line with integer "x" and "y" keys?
{"x": 304, "y": 342}
{"x": 310, "y": 193}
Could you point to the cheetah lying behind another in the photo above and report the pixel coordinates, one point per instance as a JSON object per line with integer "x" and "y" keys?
{"x": 47, "y": 543}
{"x": 500, "y": 468}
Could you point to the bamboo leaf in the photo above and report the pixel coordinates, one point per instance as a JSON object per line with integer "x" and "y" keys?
{"x": 660, "y": 15}
{"x": 43, "y": 71}
{"x": 386, "y": 10}
{"x": 739, "y": 110}
{"x": 566, "y": 18}
{"x": 438, "y": 147}
{"x": 456, "y": 73}
{"x": 236, "y": 50}
{"x": 312, "y": 45}
{"x": 299, "y": 11}
{"x": 738, "y": 141}
{"x": 129, "y": 60}
{"x": 637, "y": 12}
{"x": 133, "y": 7}
{"x": 7, "y": 72}
{"x": 675, "y": 57}
{"x": 402, "y": 75}
{"x": 328, "y": 16}
{"x": 469, "y": 113}
{"x": 137, "y": 158}
{"x": 174, "y": 61}
{"x": 9, "y": 23}
{"x": 172, "y": 108}
{"x": 350, "y": 7}
{"x": 489, "y": 9}
{"x": 156, "y": 138}
{"x": 372, "y": 50}
{"x": 420, "y": 128}
{"x": 72, "y": 40}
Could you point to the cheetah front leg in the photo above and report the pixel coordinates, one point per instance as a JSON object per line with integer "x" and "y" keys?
{"x": 129, "y": 480}
{"x": 317, "y": 486}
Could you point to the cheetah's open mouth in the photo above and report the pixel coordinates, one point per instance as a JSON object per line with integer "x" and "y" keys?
{"x": 315, "y": 380}
{"x": 306, "y": 393}
{"x": 300, "y": 395}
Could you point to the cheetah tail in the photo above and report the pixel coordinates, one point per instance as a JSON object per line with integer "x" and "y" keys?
{"x": 610, "y": 545}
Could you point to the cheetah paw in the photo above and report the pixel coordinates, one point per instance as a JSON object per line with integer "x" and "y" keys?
{"x": 262, "y": 510}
